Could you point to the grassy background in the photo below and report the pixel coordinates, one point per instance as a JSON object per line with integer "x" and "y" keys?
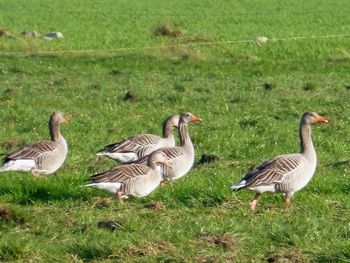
{"x": 250, "y": 97}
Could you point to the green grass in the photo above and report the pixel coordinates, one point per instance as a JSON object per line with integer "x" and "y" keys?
{"x": 250, "y": 98}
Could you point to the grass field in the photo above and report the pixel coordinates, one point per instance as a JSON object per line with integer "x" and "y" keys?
{"x": 250, "y": 97}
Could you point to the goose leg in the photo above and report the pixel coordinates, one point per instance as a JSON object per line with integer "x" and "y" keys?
{"x": 288, "y": 200}
{"x": 253, "y": 203}
{"x": 120, "y": 196}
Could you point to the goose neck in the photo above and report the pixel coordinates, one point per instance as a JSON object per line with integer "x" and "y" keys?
{"x": 54, "y": 127}
{"x": 184, "y": 135}
{"x": 168, "y": 129}
{"x": 306, "y": 144}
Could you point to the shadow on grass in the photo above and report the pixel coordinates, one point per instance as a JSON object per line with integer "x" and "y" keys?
{"x": 193, "y": 198}
{"x": 339, "y": 256}
{"x": 11, "y": 251}
{"x": 31, "y": 194}
{"x": 93, "y": 251}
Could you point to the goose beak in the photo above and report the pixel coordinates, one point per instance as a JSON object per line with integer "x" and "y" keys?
{"x": 167, "y": 163}
{"x": 321, "y": 119}
{"x": 196, "y": 119}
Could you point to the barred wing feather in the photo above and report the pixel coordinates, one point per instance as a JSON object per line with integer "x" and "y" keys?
{"x": 171, "y": 153}
{"x": 273, "y": 171}
{"x": 121, "y": 174}
{"x": 134, "y": 144}
{"x": 32, "y": 151}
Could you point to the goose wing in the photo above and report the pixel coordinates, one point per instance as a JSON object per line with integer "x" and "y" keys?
{"x": 172, "y": 153}
{"x": 32, "y": 151}
{"x": 134, "y": 144}
{"x": 121, "y": 174}
{"x": 272, "y": 171}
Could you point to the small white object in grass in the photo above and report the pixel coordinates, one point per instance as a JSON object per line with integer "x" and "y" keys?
{"x": 261, "y": 40}
{"x": 53, "y": 35}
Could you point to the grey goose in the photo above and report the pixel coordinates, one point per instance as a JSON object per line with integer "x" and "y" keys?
{"x": 41, "y": 157}
{"x": 181, "y": 157}
{"x": 285, "y": 173}
{"x": 135, "y": 147}
{"x": 132, "y": 179}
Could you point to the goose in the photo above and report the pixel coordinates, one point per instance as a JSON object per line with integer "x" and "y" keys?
{"x": 41, "y": 157}
{"x": 285, "y": 173}
{"x": 181, "y": 157}
{"x": 132, "y": 179}
{"x": 134, "y": 147}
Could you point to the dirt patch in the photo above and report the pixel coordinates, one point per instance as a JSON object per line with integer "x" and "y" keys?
{"x": 167, "y": 29}
{"x": 208, "y": 158}
{"x": 226, "y": 241}
{"x": 129, "y": 96}
{"x": 110, "y": 225}
{"x": 153, "y": 249}
{"x": 310, "y": 86}
{"x": 8, "y": 215}
{"x": 10, "y": 90}
{"x": 30, "y": 34}
{"x": 4, "y": 33}
{"x": 268, "y": 86}
{"x": 156, "y": 206}
{"x": 99, "y": 202}
{"x": 70, "y": 223}
{"x": 293, "y": 256}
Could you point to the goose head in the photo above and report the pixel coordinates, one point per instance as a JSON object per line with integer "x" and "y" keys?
{"x": 58, "y": 117}
{"x": 188, "y": 117}
{"x": 312, "y": 118}
{"x": 159, "y": 158}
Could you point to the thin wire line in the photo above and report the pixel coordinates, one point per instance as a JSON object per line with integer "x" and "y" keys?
{"x": 208, "y": 43}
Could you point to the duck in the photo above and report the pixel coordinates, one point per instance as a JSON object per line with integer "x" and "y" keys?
{"x": 41, "y": 157}
{"x": 181, "y": 157}
{"x": 285, "y": 174}
{"x": 136, "y": 180}
{"x": 135, "y": 147}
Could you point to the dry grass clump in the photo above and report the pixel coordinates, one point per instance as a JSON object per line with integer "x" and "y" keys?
{"x": 4, "y": 33}
{"x": 11, "y": 144}
{"x": 30, "y": 34}
{"x": 8, "y": 215}
{"x": 110, "y": 225}
{"x": 342, "y": 56}
{"x": 152, "y": 249}
{"x": 166, "y": 29}
{"x": 286, "y": 256}
{"x": 130, "y": 95}
{"x": 227, "y": 241}
{"x": 182, "y": 52}
{"x": 156, "y": 206}
{"x": 99, "y": 202}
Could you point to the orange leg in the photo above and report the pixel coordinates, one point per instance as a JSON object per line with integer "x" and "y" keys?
{"x": 120, "y": 196}
{"x": 253, "y": 203}
{"x": 288, "y": 201}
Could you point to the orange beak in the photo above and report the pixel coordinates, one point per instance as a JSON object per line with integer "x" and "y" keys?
{"x": 196, "y": 119}
{"x": 321, "y": 119}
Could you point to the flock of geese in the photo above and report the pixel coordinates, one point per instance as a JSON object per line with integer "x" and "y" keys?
{"x": 147, "y": 160}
